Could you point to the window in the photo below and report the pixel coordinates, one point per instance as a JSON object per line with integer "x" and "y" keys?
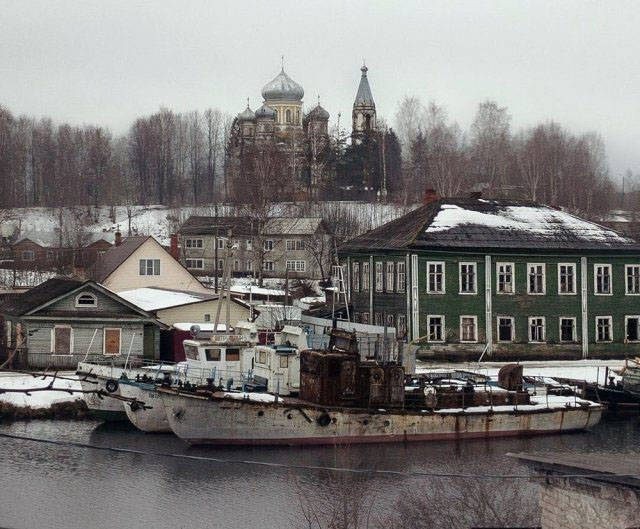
{"x": 435, "y": 328}
{"x": 28, "y": 255}
{"x": 378, "y": 319}
{"x": 355, "y": 272}
{"x": 268, "y": 245}
{"x": 86, "y": 300}
{"x": 468, "y": 329}
{"x": 195, "y": 264}
{"x": 505, "y": 329}
{"x": 249, "y": 266}
{"x": 220, "y": 264}
{"x": 194, "y": 243}
{"x": 268, "y": 266}
{"x": 232, "y": 355}
{"x": 236, "y": 265}
{"x": 391, "y": 320}
{"x": 261, "y": 357}
{"x": 365, "y": 277}
{"x": 402, "y": 276}
{"x": 536, "y": 284}
{"x": 149, "y": 267}
{"x": 567, "y": 329}
{"x": 297, "y": 266}
{"x": 401, "y": 327}
{"x": 248, "y": 244}
{"x": 212, "y": 354}
{"x": 284, "y": 361}
{"x": 220, "y": 243}
{"x": 566, "y": 278}
{"x": 294, "y": 244}
{"x": 191, "y": 352}
{"x": 435, "y": 277}
{"x": 379, "y": 278}
{"x": 602, "y": 279}
{"x": 537, "y": 329}
{"x": 207, "y": 318}
{"x": 365, "y": 317}
{"x": 632, "y": 328}
{"x": 506, "y": 279}
{"x": 468, "y": 278}
{"x": 632, "y": 273}
{"x": 112, "y": 341}
{"x": 62, "y": 340}
{"x": 288, "y": 114}
{"x": 390, "y": 276}
{"x": 604, "y": 331}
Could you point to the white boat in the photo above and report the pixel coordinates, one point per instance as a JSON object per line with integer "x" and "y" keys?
{"x": 144, "y": 407}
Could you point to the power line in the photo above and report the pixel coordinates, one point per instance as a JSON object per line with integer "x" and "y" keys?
{"x": 249, "y": 462}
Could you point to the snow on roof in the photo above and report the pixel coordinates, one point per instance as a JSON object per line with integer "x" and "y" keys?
{"x": 153, "y": 298}
{"x": 204, "y": 327}
{"x": 253, "y": 289}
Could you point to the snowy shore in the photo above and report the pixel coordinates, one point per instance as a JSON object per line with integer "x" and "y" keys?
{"x": 37, "y": 399}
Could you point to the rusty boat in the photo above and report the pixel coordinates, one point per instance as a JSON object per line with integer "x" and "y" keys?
{"x": 345, "y": 400}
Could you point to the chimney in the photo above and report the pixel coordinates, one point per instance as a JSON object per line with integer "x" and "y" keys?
{"x": 174, "y": 249}
{"x": 118, "y": 240}
{"x": 430, "y": 195}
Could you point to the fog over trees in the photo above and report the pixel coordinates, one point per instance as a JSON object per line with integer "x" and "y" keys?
{"x": 179, "y": 159}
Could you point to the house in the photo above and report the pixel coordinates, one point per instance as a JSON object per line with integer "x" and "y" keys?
{"x": 514, "y": 280}
{"x": 141, "y": 261}
{"x": 594, "y": 490}
{"x": 299, "y": 246}
{"x": 172, "y": 306}
{"x": 62, "y": 321}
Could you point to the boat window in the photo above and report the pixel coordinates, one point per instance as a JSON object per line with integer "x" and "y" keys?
{"x": 212, "y": 354}
{"x": 284, "y": 362}
{"x": 232, "y": 355}
{"x": 262, "y": 357}
{"x": 191, "y": 352}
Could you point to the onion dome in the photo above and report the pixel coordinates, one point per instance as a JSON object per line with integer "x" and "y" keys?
{"x": 265, "y": 112}
{"x": 318, "y": 113}
{"x": 247, "y": 115}
{"x": 282, "y": 88}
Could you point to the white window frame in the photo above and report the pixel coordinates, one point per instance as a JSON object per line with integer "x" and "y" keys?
{"x": 30, "y": 253}
{"x": 513, "y": 329}
{"x": 401, "y": 325}
{"x": 366, "y": 276}
{"x": 53, "y": 340}
{"x": 249, "y": 265}
{"x": 513, "y": 278}
{"x": 221, "y": 242}
{"x": 355, "y": 276}
{"x": 192, "y": 260}
{"x": 628, "y": 267}
{"x": 574, "y": 275}
{"x": 104, "y": 341}
{"x": 443, "y": 328}
{"x": 605, "y": 266}
{"x": 145, "y": 271}
{"x": 544, "y": 279}
{"x": 610, "y": 318}
{"x": 296, "y": 265}
{"x": 401, "y": 279}
{"x": 290, "y": 245}
{"x": 194, "y": 242}
{"x": 268, "y": 245}
{"x": 475, "y": 328}
{"x": 626, "y": 319}
{"x": 444, "y": 277}
{"x": 83, "y": 305}
{"x": 390, "y": 273}
{"x": 574, "y": 334}
{"x": 268, "y": 266}
{"x": 475, "y": 278}
{"x": 248, "y": 244}
{"x": 378, "y": 266}
{"x": 544, "y": 329}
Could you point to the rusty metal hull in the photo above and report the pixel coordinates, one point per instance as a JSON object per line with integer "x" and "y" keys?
{"x": 212, "y": 420}
{"x": 150, "y": 417}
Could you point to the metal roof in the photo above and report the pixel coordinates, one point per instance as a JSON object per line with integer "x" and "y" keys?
{"x": 363, "y": 96}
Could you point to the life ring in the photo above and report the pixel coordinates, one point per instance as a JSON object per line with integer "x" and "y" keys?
{"x": 323, "y": 419}
{"x": 111, "y": 386}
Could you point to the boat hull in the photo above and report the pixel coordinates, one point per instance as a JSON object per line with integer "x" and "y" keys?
{"x": 150, "y": 417}
{"x": 103, "y": 407}
{"x": 219, "y": 421}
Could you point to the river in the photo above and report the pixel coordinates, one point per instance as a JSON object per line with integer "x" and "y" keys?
{"x": 68, "y": 487}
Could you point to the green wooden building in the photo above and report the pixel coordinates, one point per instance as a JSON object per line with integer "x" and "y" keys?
{"x": 510, "y": 279}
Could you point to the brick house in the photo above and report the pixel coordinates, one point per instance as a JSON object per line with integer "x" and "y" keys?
{"x": 301, "y": 246}
{"x": 512, "y": 279}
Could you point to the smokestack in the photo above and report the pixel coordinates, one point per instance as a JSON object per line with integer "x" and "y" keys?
{"x": 118, "y": 240}
{"x": 174, "y": 249}
{"x": 430, "y": 195}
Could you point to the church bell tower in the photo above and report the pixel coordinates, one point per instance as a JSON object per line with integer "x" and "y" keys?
{"x": 364, "y": 108}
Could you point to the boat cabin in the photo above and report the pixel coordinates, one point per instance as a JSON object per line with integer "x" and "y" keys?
{"x": 279, "y": 366}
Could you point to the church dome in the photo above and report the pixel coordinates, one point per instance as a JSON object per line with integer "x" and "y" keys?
{"x": 247, "y": 115}
{"x": 265, "y": 112}
{"x": 282, "y": 88}
{"x": 318, "y": 113}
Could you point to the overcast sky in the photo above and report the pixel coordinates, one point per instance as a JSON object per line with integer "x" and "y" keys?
{"x": 106, "y": 62}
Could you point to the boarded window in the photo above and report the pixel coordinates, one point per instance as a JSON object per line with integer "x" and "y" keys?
{"x": 112, "y": 341}
{"x": 232, "y": 355}
{"x": 62, "y": 340}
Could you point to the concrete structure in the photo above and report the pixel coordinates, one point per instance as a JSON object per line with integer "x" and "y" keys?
{"x": 512, "y": 279}
{"x": 607, "y": 495}
{"x": 142, "y": 262}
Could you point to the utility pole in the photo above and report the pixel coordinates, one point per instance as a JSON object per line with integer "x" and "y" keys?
{"x": 215, "y": 251}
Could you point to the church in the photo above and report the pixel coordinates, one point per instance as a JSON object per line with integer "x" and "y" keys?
{"x": 282, "y": 129}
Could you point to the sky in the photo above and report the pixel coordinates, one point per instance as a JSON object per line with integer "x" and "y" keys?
{"x": 107, "y": 62}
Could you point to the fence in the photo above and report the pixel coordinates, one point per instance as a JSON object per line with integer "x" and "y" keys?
{"x": 24, "y": 359}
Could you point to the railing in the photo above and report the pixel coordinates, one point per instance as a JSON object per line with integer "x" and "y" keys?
{"x": 30, "y": 360}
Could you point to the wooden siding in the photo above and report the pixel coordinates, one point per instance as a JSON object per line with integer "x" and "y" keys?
{"x": 105, "y": 304}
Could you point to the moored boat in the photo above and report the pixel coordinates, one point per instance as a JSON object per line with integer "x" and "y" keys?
{"x": 143, "y": 406}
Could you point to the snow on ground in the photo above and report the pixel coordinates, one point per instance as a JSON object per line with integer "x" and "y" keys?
{"x": 38, "y": 399}
{"x": 587, "y": 370}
